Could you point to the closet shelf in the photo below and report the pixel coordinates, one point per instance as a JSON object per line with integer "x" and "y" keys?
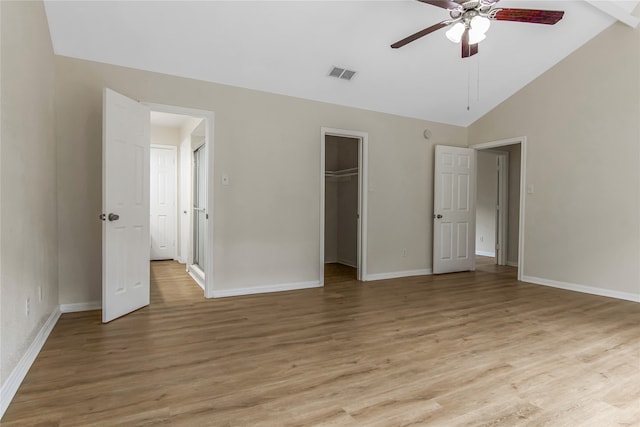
{"x": 341, "y": 173}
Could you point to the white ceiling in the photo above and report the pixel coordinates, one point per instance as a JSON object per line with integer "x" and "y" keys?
{"x": 288, "y": 47}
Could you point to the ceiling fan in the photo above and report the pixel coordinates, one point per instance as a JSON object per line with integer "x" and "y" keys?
{"x": 470, "y": 21}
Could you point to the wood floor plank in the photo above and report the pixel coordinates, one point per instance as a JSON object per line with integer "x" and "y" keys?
{"x": 464, "y": 349}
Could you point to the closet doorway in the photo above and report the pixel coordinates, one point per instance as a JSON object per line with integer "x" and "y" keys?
{"x": 343, "y": 204}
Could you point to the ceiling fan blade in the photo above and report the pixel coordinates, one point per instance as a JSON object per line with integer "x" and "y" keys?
{"x": 445, "y": 4}
{"x": 468, "y": 49}
{"x": 473, "y": 49}
{"x": 421, "y": 33}
{"x": 533, "y": 16}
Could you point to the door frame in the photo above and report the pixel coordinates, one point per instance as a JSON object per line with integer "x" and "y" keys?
{"x": 502, "y": 216}
{"x": 209, "y": 117}
{"x": 176, "y": 213}
{"x": 522, "y": 140}
{"x": 195, "y": 271}
{"x": 363, "y": 160}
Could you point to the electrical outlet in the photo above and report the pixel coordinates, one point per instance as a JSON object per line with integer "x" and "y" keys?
{"x": 404, "y": 252}
{"x": 28, "y": 307}
{"x": 482, "y": 238}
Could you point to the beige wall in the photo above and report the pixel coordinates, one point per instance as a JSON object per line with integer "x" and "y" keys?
{"x": 267, "y": 219}
{"x": 165, "y": 135}
{"x": 28, "y": 221}
{"x": 581, "y": 120}
{"x": 486, "y": 201}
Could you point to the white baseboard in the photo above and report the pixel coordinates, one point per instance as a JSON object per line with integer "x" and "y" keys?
{"x": 221, "y": 293}
{"x": 348, "y": 263}
{"x": 196, "y": 278}
{"x": 485, "y": 253}
{"x": 582, "y": 288}
{"x": 397, "y": 274}
{"x": 196, "y": 274}
{"x": 81, "y": 306}
{"x": 11, "y": 385}
{"x": 330, "y": 260}
{"x": 512, "y": 263}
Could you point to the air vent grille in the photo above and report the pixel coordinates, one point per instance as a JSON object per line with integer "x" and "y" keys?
{"x": 342, "y": 73}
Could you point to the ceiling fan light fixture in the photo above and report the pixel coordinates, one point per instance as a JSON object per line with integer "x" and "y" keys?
{"x": 480, "y": 24}
{"x": 476, "y": 36}
{"x": 455, "y": 33}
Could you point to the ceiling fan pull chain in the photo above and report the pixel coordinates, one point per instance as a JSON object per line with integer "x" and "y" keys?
{"x": 468, "y": 86}
{"x": 478, "y": 82}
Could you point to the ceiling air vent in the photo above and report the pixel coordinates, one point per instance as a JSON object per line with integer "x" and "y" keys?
{"x": 341, "y": 73}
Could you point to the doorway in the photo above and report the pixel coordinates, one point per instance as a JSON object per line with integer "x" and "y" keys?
{"x": 188, "y": 132}
{"x": 492, "y": 205}
{"x": 126, "y": 236}
{"x": 343, "y": 204}
{"x": 500, "y": 203}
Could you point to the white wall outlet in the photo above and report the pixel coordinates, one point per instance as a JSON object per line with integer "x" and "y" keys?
{"x": 27, "y": 307}
{"x": 404, "y": 252}
{"x": 225, "y": 179}
{"x": 482, "y": 238}
{"x": 530, "y": 189}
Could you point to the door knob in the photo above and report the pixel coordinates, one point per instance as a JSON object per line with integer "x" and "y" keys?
{"x": 437, "y": 216}
{"x": 113, "y": 217}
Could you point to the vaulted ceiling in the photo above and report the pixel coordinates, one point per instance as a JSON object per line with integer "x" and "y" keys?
{"x": 289, "y": 47}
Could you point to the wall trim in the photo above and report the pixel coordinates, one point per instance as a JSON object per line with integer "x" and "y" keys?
{"x": 348, "y": 262}
{"x": 80, "y": 306}
{"x": 582, "y": 288}
{"x": 10, "y": 387}
{"x": 196, "y": 274}
{"x": 485, "y": 253}
{"x": 398, "y": 274}
{"x": 222, "y": 293}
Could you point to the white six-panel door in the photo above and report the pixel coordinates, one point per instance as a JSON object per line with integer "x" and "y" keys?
{"x": 454, "y": 213}
{"x": 125, "y": 204}
{"x": 163, "y": 202}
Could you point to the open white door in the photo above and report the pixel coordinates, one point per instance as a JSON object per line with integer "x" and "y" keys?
{"x": 454, "y": 211}
{"x": 125, "y": 204}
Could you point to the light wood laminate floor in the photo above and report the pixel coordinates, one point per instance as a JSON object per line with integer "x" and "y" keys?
{"x": 463, "y": 349}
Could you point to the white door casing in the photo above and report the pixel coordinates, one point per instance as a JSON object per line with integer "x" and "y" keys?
{"x": 502, "y": 209}
{"x": 454, "y": 209}
{"x": 363, "y": 166}
{"x": 162, "y": 203}
{"x": 125, "y": 204}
